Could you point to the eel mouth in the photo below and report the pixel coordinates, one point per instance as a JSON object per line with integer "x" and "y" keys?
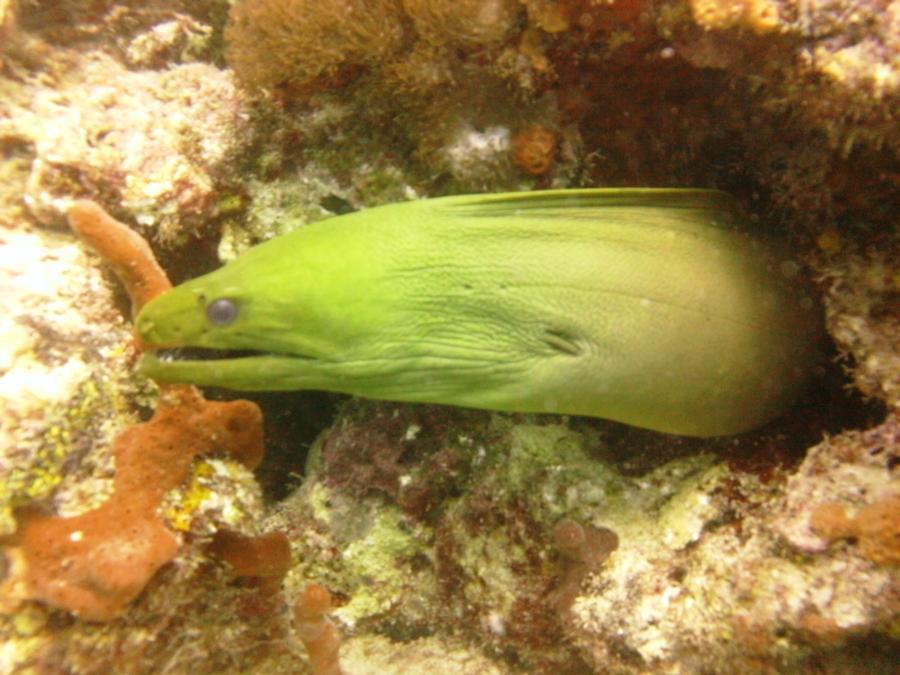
{"x": 182, "y": 354}
{"x": 228, "y": 368}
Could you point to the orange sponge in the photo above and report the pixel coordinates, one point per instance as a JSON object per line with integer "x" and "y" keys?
{"x": 95, "y": 563}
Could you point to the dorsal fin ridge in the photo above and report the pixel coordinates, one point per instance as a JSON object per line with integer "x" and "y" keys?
{"x": 712, "y": 207}
{"x": 696, "y": 198}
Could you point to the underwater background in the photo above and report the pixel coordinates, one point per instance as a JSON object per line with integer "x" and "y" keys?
{"x": 149, "y": 528}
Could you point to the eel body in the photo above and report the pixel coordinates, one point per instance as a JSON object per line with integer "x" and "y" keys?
{"x": 651, "y": 307}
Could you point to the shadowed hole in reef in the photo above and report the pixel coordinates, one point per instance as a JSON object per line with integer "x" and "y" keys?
{"x": 292, "y": 422}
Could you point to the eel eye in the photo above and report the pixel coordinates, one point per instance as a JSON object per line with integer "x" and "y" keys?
{"x": 222, "y": 311}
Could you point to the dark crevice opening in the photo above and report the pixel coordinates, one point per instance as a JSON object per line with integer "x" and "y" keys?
{"x": 292, "y": 421}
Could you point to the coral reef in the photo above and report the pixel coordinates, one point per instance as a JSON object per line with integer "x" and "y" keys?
{"x": 876, "y": 528}
{"x": 57, "y": 319}
{"x": 409, "y": 51}
{"x": 861, "y": 293}
{"x": 465, "y": 22}
{"x": 156, "y": 142}
{"x": 707, "y": 89}
{"x": 854, "y": 470}
{"x": 683, "y": 564}
{"x": 761, "y": 16}
{"x": 7, "y": 18}
{"x": 378, "y": 655}
{"x": 97, "y": 562}
{"x": 337, "y": 40}
{"x": 449, "y": 541}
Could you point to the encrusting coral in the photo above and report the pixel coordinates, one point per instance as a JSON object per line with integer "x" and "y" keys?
{"x": 551, "y": 552}
{"x": 847, "y": 490}
{"x": 97, "y": 562}
{"x": 156, "y": 143}
{"x": 876, "y": 528}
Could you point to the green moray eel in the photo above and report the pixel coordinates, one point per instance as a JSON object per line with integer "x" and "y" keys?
{"x": 647, "y": 306}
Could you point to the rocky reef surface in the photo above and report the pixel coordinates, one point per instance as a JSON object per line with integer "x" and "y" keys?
{"x": 425, "y": 538}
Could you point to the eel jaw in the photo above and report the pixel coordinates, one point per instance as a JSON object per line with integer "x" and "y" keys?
{"x": 256, "y": 371}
